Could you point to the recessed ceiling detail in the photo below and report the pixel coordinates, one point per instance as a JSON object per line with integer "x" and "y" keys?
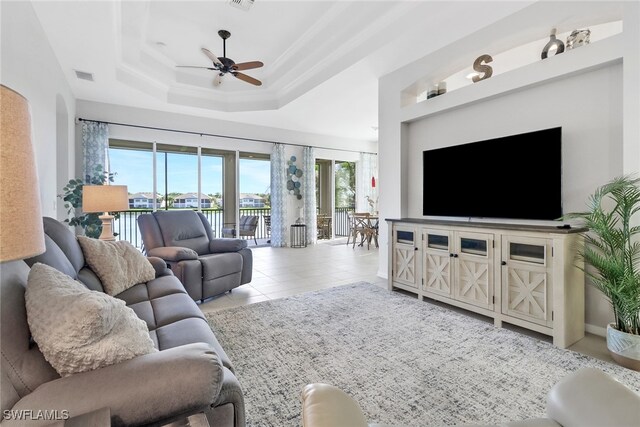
{"x": 319, "y": 40}
{"x": 322, "y": 58}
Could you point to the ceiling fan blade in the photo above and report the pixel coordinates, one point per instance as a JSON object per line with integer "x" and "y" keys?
{"x": 195, "y": 66}
{"x": 211, "y": 56}
{"x": 247, "y": 79}
{"x": 248, "y": 65}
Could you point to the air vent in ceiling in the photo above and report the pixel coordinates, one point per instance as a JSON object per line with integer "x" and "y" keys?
{"x": 83, "y": 75}
{"x": 242, "y": 4}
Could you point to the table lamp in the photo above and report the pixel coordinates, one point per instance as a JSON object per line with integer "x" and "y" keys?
{"x": 105, "y": 198}
{"x": 21, "y": 231}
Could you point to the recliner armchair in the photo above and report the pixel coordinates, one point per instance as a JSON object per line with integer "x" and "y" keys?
{"x": 184, "y": 240}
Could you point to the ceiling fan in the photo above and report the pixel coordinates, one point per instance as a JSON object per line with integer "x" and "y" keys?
{"x": 224, "y": 65}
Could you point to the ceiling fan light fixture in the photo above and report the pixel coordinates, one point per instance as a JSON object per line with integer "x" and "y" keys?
{"x": 242, "y": 4}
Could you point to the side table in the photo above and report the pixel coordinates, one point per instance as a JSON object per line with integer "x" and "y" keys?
{"x": 298, "y": 236}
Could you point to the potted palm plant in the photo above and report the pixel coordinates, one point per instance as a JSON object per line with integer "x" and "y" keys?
{"x": 612, "y": 258}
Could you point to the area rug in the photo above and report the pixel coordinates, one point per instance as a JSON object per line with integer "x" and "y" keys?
{"x": 405, "y": 361}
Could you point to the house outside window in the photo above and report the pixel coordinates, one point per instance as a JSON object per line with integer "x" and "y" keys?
{"x": 190, "y": 200}
{"x": 251, "y": 201}
{"x": 143, "y": 201}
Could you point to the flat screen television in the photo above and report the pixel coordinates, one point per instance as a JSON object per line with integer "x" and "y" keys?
{"x": 515, "y": 177}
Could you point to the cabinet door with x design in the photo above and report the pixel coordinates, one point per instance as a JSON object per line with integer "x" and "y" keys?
{"x": 405, "y": 256}
{"x": 473, "y": 258}
{"x": 436, "y": 268}
{"x": 526, "y": 279}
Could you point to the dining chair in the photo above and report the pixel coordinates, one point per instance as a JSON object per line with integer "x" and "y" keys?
{"x": 360, "y": 225}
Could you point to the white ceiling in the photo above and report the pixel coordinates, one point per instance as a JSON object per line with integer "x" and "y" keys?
{"x": 322, "y": 58}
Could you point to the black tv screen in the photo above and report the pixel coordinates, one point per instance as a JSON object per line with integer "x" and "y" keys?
{"x": 517, "y": 176}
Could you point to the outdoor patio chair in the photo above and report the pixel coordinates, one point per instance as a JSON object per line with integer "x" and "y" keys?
{"x": 248, "y": 225}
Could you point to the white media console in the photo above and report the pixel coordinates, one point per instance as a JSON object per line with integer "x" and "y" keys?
{"x": 519, "y": 274}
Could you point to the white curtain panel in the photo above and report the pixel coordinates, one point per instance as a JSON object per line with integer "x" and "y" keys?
{"x": 278, "y": 197}
{"x": 366, "y": 194}
{"x": 95, "y": 148}
{"x": 309, "y": 194}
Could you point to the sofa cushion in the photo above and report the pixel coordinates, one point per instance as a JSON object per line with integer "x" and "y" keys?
{"x": 156, "y": 288}
{"x": 23, "y": 366}
{"x": 63, "y": 251}
{"x": 80, "y": 330}
{"x": 55, "y": 257}
{"x": 188, "y": 331}
{"x": 119, "y": 265}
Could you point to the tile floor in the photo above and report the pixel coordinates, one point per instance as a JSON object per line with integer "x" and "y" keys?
{"x": 281, "y": 272}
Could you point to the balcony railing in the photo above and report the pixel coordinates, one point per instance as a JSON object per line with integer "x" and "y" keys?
{"x": 341, "y": 220}
{"x": 127, "y": 224}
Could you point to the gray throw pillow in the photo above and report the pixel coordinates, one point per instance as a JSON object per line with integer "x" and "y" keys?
{"x": 119, "y": 265}
{"x": 80, "y": 330}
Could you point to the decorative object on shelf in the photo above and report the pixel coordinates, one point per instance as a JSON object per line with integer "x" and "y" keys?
{"x": 485, "y": 70}
{"x": 442, "y": 88}
{"x": 613, "y": 252}
{"x": 294, "y": 184}
{"x": 373, "y": 204}
{"x": 578, "y": 38}
{"x": 433, "y": 91}
{"x": 553, "y": 46}
{"x": 20, "y": 215}
{"x": 105, "y": 198}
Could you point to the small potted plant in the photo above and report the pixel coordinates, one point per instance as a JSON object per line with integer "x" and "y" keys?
{"x": 90, "y": 223}
{"x": 612, "y": 250}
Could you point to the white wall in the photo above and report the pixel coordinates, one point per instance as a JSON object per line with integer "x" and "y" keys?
{"x": 591, "y": 122}
{"x": 30, "y": 67}
{"x": 597, "y": 105}
{"x": 331, "y": 147}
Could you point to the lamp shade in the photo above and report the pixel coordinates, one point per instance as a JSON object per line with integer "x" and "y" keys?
{"x": 105, "y": 198}
{"x": 21, "y": 232}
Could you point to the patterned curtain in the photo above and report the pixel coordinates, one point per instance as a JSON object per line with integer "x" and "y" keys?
{"x": 366, "y": 173}
{"x": 309, "y": 194}
{"x": 95, "y": 147}
{"x": 278, "y": 197}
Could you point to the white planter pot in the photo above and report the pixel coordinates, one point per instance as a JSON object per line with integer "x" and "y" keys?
{"x": 624, "y": 347}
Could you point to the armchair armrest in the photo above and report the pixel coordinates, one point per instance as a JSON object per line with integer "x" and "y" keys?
{"x": 589, "y": 397}
{"x": 226, "y": 245}
{"x": 324, "y": 405}
{"x": 159, "y": 265}
{"x": 173, "y": 253}
{"x": 146, "y": 389}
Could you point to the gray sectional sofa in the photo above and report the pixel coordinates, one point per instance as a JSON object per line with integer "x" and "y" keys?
{"x": 190, "y": 374}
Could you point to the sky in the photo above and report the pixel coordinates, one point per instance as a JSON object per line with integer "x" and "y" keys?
{"x": 135, "y": 170}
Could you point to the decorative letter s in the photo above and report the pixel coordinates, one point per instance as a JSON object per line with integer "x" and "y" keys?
{"x": 482, "y": 68}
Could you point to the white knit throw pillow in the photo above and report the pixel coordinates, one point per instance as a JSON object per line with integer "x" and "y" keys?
{"x": 119, "y": 265}
{"x": 77, "y": 329}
